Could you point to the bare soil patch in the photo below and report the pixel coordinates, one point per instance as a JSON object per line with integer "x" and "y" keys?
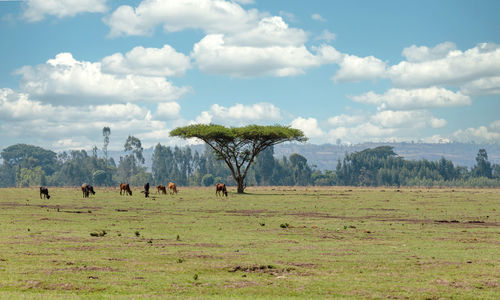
{"x": 267, "y": 269}
{"x": 249, "y": 212}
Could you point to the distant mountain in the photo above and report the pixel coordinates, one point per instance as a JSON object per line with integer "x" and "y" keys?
{"x": 325, "y": 156}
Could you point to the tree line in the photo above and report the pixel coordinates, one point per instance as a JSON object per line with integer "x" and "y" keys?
{"x": 28, "y": 165}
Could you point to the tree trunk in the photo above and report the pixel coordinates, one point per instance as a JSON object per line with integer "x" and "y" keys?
{"x": 241, "y": 186}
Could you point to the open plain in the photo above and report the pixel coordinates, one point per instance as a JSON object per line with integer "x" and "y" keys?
{"x": 272, "y": 242}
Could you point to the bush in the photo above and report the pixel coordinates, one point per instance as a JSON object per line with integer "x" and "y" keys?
{"x": 207, "y": 180}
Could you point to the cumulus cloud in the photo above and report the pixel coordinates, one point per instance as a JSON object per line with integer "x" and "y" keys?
{"x": 271, "y": 31}
{"x": 254, "y": 44}
{"x": 354, "y": 68}
{"x": 65, "y": 79}
{"x": 168, "y": 110}
{"x": 213, "y": 55}
{"x": 475, "y": 71}
{"x": 318, "y": 17}
{"x": 423, "y": 53}
{"x": 309, "y": 126}
{"x": 211, "y": 16}
{"x": 244, "y": 2}
{"x": 63, "y": 127}
{"x": 163, "y": 61}
{"x": 36, "y": 10}
{"x": 240, "y": 114}
{"x": 362, "y": 133}
{"x": 483, "y": 86}
{"x": 454, "y": 68}
{"x": 346, "y": 120}
{"x": 19, "y": 107}
{"x": 402, "y": 99}
{"x": 387, "y": 125}
{"x": 481, "y": 134}
{"x": 415, "y": 119}
{"x": 205, "y": 117}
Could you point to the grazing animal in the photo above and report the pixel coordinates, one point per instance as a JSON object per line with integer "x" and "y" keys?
{"x": 146, "y": 190}
{"x": 87, "y": 189}
{"x": 220, "y": 189}
{"x": 125, "y": 187}
{"x": 45, "y": 192}
{"x": 161, "y": 188}
{"x": 172, "y": 188}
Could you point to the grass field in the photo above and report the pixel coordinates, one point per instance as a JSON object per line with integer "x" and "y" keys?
{"x": 276, "y": 242}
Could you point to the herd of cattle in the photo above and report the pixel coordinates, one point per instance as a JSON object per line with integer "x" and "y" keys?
{"x": 220, "y": 190}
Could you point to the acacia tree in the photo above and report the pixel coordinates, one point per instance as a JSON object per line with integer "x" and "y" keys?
{"x": 238, "y": 146}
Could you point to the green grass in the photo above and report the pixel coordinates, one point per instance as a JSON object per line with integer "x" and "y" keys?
{"x": 339, "y": 243}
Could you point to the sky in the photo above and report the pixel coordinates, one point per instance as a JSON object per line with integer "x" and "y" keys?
{"x": 341, "y": 71}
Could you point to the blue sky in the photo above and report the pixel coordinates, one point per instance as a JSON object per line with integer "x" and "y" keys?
{"x": 353, "y": 72}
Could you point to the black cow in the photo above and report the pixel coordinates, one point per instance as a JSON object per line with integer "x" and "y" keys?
{"x": 146, "y": 190}
{"x": 45, "y": 192}
{"x": 86, "y": 189}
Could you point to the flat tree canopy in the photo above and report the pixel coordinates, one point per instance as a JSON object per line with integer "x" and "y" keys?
{"x": 238, "y": 146}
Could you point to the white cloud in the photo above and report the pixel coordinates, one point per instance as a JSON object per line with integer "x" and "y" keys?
{"x": 401, "y": 99}
{"x": 481, "y": 134}
{"x": 382, "y": 126}
{"x": 483, "y": 86}
{"x": 309, "y": 126}
{"x": 244, "y": 2}
{"x": 346, "y": 120}
{"x": 455, "y": 68}
{"x": 435, "y": 139}
{"x": 63, "y": 127}
{"x": 163, "y": 61}
{"x": 239, "y": 42}
{"x": 318, "y": 17}
{"x": 271, "y": 31}
{"x": 36, "y": 10}
{"x": 64, "y": 79}
{"x": 212, "y": 55}
{"x": 415, "y": 119}
{"x": 423, "y": 53}
{"x": 326, "y": 36}
{"x": 204, "y": 118}
{"x": 19, "y": 107}
{"x": 240, "y": 114}
{"x": 354, "y": 68}
{"x": 290, "y": 17}
{"x": 168, "y": 110}
{"x": 495, "y": 126}
{"x": 361, "y": 133}
{"x": 65, "y": 144}
{"x": 211, "y": 16}
{"x": 14, "y": 106}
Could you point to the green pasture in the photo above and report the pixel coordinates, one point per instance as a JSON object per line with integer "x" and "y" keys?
{"x": 271, "y": 243}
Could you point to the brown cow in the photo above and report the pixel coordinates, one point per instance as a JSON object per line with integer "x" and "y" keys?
{"x": 45, "y": 192}
{"x": 125, "y": 187}
{"x": 86, "y": 189}
{"x": 220, "y": 188}
{"x": 161, "y": 188}
{"x": 172, "y": 188}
